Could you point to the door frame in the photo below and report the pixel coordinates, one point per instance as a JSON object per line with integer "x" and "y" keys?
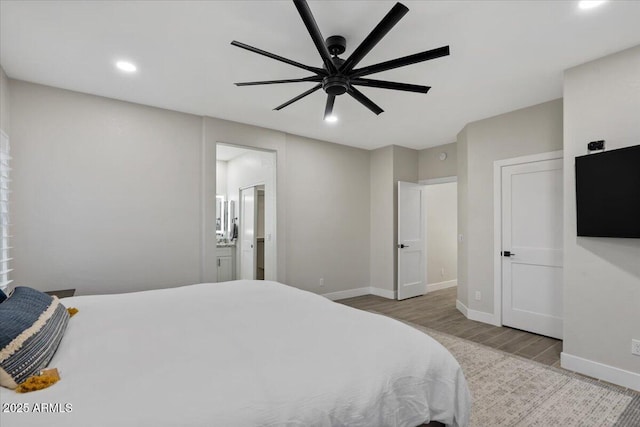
{"x": 208, "y": 246}
{"x": 443, "y": 180}
{"x": 497, "y": 221}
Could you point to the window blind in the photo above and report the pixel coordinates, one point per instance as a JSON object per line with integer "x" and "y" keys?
{"x": 5, "y": 256}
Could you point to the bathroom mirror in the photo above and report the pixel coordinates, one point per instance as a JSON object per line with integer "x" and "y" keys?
{"x": 230, "y": 219}
{"x": 220, "y": 211}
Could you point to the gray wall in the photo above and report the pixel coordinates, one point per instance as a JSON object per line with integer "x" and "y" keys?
{"x": 442, "y": 260}
{"x": 381, "y": 213}
{"x": 531, "y": 130}
{"x": 4, "y": 102}
{"x": 221, "y": 178}
{"x": 463, "y": 218}
{"x": 429, "y": 163}
{"x": 106, "y": 194}
{"x": 601, "y": 275}
{"x": 328, "y": 215}
{"x": 110, "y": 196}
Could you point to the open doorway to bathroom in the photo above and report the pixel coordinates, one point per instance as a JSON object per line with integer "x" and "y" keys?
{"x": 246, "y": 192}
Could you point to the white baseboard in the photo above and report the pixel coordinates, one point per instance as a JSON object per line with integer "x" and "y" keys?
{"x": 349, "y": 293}
{"x": 442, "y": 285}
{"x": 462, "y": 308}
{"x": 601, "y": 371}
{"x": 481, "y": 316}
{"x": 478, "y": 316}
{"x": 385, "y": 293}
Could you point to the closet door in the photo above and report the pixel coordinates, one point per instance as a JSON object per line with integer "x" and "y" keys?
{"x": 532, "y": 247}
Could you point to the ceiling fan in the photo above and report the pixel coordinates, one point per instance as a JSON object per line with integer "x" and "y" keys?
{"x": 339, "y": 76}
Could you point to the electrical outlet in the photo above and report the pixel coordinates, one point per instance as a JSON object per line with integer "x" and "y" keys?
{"x": 478, "y": 296}
{"x": 321, "y": 282}
{"x": 442, "y": 272}
{"x": 635, "y": 347}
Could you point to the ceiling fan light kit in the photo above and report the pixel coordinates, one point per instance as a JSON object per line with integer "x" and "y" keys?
{"x": 339, "y": 76}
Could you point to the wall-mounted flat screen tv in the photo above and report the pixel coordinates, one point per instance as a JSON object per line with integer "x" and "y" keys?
{"x": 608, "y": 193}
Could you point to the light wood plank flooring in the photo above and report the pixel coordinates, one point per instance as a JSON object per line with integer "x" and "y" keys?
{"x": 437, "y": 310}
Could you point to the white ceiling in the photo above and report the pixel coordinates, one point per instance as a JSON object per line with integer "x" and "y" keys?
{"x": 504, "y": 55}
{"x": 228, "y": 152}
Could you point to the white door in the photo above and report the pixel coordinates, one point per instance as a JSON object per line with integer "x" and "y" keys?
{"x": 411, "y": 239}
{"x": 247, "y": 237}
{"x": 532, "y": 247}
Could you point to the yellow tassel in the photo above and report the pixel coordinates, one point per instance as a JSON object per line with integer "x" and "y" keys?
{"x": 72, "y": 311}
{"x": 37, "y": 382}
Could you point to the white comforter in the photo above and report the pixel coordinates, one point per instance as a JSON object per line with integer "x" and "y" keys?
{"x": 242, "y": 353}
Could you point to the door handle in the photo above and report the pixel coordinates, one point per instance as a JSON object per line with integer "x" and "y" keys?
{"x": 402, "y": 246}
{"x": 508, "y": 254}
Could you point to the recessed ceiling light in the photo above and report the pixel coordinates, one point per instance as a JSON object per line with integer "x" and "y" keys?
{"x": 331, "y": 119}
{"x": 590, "y": 4}
{"x": 126, "y": 66}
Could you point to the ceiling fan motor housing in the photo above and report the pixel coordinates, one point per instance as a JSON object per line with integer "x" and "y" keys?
{"x": 336, "y": 84}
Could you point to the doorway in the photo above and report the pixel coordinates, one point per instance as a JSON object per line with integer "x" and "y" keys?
{"x": 441, "y": 218}
{"x": 427, "y": 236}
{"x": 529, "y": 242}
{"x": 246, "y": 179}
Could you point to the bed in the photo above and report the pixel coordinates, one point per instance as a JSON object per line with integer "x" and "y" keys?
{"x": 241, "y": 353}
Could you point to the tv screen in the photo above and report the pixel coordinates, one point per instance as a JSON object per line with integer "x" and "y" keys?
{"x": 608, "y": 193}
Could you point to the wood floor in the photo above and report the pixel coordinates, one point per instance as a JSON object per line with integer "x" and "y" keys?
{"x": 437, "y": 310}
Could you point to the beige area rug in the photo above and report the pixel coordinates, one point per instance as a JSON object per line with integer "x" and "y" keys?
{"x": 511, "y": 391}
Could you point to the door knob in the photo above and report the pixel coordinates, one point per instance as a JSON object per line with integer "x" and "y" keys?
{"x": 402, "y": 246}
{"x": 508, "y": 253}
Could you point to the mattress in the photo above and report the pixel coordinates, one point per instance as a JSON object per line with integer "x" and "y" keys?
{"x": 241, "y": 353}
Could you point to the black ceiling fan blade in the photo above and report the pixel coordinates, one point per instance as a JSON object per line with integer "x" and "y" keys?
{"x": 401, "y": 62}
{"x": 299, "y": 97}
{"x": 388, "y": 22}
{"x": 273, "y": 82}
{"x": 316, "y": 70}
{"x": 316, "y": 35}
{"x": 359, "y": 96}
{"x": 382, "y": 84}
{"x": 328, "y": 109}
